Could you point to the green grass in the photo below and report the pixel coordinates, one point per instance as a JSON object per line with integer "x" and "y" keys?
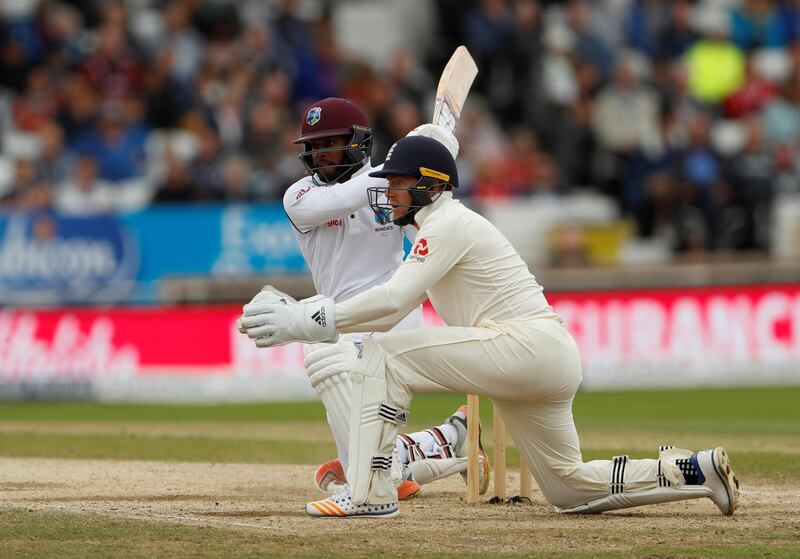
{"x": 611, "y": 423}
{"x": 764, "y": 406}
{"x": 66, "y": 536}
{"x": 703, "y": 417}
{"x": 32, "y": 534}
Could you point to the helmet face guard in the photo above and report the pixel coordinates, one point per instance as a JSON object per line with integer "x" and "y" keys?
{"x": 421, "y": 196}
{"x": 355, "y": 152}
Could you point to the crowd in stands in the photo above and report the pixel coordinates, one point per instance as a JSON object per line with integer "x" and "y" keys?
{"x": 687, "y": 113}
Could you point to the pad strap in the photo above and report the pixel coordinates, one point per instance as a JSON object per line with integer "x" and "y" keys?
{"x": 618, "y": 474}
{"x": 413, "y": 450}
{"x": 662, "y": 480}
{"x": 441, "y": 441}
{"x": 381, "y": 462}
{"x": 391, "y": 414}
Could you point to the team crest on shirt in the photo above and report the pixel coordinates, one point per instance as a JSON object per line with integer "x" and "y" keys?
{"x": 313, "y": 116}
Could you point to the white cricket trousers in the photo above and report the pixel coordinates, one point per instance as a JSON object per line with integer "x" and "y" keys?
{"x": 531, "y": 371}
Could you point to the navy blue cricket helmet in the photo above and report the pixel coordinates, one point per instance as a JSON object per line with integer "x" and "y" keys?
{"x": 414, "y": 156}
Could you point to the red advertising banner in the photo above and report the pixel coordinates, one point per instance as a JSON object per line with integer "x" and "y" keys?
{"x": 670, "y": 337}
{"x": 741, "y": 324}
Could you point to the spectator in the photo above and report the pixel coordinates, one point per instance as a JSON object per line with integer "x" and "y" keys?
{"x": 53, "y": 161}
{"x": 177, "y": 185}
{"x": 751, "y": 176}
{"x": 85, "y": 193}
{"x": 757, "y": 24}
{"x": 167, "y": 99}
{"x": 113, "y": 68}
{"x": 182, "y": 41}
{"x": 29, "y": 191}
{"x": 79, "y": 107}
{"x": 589, "y": 45}
{"x": 646, "y": 24}
{"x": 237, "y": 184}
{"x": 678, "y": 35}
{"x": 205, "y": 169}
{"x": 787, "y": 170}
{"x": 37, "y": 103}
{"x": 716, "y": 65}
{"x": 626, "y": 122}
{"x": 755, "y": 92}
{"x": 118, "y": 146}
{"x": 781, "y": 115}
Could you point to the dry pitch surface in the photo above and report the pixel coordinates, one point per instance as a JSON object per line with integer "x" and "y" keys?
{"x": 264, "y": 502}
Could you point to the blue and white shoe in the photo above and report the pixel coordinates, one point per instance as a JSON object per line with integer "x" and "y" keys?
{"x": 341, "y": 505}
{"x": 715, "y": 472}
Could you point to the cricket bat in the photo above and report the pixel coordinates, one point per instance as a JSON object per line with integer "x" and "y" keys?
{"x": 453, "y": 88}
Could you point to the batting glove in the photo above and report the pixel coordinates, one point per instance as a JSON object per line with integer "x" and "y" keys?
{"x": 438, "y": 133}
{"x": 273, "y": 323}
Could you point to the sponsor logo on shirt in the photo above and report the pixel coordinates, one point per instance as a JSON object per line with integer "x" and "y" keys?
{"x": 301, "y": 192}
{"x": 335, "y": 223}
{"x": 420, "y": 251}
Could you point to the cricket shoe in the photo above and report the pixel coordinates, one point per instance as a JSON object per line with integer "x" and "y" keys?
{"x": 330, "y": 478}
{"x": 459, "y": 420}
{"x": 341, "y": 505}
{"x": 715, "y": 472}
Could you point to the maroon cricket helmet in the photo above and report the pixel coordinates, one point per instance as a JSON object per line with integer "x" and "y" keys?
{"x": 335, "y": 117}
{"x": 331, "y": 117}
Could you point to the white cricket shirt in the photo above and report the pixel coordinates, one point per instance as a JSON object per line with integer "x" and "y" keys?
{"x": 464, "y": 265}
{"x": 345, "y": 247}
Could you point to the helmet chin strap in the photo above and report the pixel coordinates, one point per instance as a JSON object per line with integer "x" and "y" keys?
{"x": 407, "y": 218}
{"x": 344, "y": 175}
{"x": 421, "y": 199}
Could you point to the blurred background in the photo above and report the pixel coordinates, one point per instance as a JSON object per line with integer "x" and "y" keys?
{"x": 642, "y": 155}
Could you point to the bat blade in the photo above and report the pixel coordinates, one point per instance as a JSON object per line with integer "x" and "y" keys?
{"x": 454, "y": 84}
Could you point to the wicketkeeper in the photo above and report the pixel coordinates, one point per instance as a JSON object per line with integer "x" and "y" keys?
{"x": 503, "y": 340}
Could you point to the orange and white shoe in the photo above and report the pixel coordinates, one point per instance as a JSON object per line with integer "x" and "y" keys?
{"x": 459, "y": 420}
{"x": 341, "y": 505}
{"x": 408, "y": 489}
{"x": 330, "y": 478}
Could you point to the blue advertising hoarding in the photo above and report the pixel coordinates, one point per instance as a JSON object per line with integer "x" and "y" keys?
{"x": 47, "y": 258}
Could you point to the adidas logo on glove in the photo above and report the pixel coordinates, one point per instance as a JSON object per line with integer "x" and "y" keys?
{"x": 319, "y": 317}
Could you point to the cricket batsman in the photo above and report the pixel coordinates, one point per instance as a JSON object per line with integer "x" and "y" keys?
{"x": 503, "y": 340}
{"x": 348, "y": 251}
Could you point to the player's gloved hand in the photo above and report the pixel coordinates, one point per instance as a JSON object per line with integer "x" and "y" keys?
{"x": 267, "y": 294}
{"x": 438, "y": 133}
{"x": 272, "y": 323}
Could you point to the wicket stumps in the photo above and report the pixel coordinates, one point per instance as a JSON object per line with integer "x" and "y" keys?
{"x": 499, "y": 442}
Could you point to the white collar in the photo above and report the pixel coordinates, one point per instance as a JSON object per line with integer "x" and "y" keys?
{"x": 423, "y": 213}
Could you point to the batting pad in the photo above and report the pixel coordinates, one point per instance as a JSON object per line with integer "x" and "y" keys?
{"x": 431, "y": 469}
{"x": 373, "y": 428}
{"x": 327, "y": 366}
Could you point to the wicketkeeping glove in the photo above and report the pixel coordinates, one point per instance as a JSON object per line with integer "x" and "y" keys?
{"x": 272, "y": 323}
{"x": 267, "y": 294}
